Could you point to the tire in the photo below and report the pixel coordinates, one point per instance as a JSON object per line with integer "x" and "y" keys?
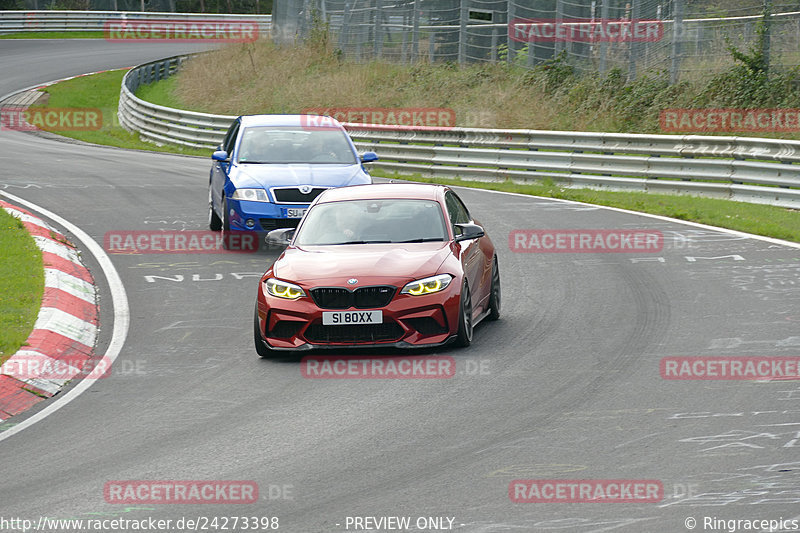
{"x": 464, "y": 337}
{"x": 261, "y": 347}
{"x": 226, "y": 226}
{"x": 494, "y": 296}
{"x": 214, "y": 222}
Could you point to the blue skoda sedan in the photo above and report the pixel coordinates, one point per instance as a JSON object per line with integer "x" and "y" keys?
{"x": 269, "y": 168}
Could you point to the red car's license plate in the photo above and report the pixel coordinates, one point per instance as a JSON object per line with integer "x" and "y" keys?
{"x": 341, "y": 318}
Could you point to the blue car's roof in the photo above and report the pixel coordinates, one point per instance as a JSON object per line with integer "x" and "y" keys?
{"x": 306, "y": 121}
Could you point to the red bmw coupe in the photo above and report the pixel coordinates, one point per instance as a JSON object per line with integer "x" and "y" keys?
{"x": 401, "y": 265}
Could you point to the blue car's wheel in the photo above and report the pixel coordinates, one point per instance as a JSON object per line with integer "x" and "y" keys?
{"x": 214, "y": 222}
{"x": 226, "y": 225}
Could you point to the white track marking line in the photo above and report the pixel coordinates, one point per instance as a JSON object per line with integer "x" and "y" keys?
{"x": 649, "y": 215}
{"x": 119, "y": 300}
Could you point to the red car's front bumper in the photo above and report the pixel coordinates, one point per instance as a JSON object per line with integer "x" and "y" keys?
{"x": 408, "y": 321}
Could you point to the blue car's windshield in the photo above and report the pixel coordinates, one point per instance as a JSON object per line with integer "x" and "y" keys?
{"x": 373, "y": 221}
{"x": 285, "y": 145}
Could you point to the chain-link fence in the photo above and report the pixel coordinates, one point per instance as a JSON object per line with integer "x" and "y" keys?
{"x": 683, "y": 37}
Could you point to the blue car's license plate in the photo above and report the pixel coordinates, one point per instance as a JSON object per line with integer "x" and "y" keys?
{"x": 293, "y": 212}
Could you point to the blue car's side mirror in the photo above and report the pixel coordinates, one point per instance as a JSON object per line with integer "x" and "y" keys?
{"x": 369, "y": 157}
{"x": 220, "y": 155}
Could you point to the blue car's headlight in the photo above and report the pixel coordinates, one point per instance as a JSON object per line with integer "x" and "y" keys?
{"x": 253, "y": 195}
{"x": 427, "y": 285}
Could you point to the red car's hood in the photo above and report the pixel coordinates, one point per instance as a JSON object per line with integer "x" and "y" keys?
{"x": 338, "y": 263}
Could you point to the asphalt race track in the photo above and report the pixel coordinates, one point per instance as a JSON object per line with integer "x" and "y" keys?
{"x": 565, "y": 386}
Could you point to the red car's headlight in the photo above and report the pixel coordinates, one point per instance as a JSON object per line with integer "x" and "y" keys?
{"x": 427, "y": 285}
{"x": 283, "y": 289}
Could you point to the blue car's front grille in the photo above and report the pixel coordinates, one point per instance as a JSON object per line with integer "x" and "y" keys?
{"x": 293, "y": 195}
{"x": 268, "y": 224}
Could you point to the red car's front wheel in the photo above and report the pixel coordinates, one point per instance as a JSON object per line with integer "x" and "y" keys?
{"x": 494, "y": 297}
{"x": 464, "y": 337}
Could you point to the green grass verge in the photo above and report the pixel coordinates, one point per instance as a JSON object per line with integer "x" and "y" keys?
{"x": 770, "y": 221}
{"x": 162, "y": 92}
{"x": 21, "y": 284}
{"x": 101, "y": 91}
{"x": 55, "y": 35}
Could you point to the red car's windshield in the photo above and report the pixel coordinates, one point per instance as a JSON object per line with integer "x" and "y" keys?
{"x": 373, "y": 221}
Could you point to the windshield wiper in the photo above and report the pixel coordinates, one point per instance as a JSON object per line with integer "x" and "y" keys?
{"x": 426, "y": 239}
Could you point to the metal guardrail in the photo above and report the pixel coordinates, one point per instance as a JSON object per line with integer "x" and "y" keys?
{"x": 161, "y": 124}
{"x": 30, "y": 21}
{"x": 739, "y": 168}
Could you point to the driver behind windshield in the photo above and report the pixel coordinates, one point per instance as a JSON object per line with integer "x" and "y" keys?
{"x": 339, "y": 224}
{"x": 320, "y": 149}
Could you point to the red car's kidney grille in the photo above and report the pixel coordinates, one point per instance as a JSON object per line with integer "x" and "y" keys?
{"x": 388, "y": 331}
{"x": 332, "y": 298}
{"x": 366, "y": 297}
{"x": 361, "y": 298}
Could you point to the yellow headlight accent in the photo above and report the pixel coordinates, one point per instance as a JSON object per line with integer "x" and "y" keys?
{"x": 426, "y": 287}
{"x": 292, "y": 293}
{"x": 284, "y": 290}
